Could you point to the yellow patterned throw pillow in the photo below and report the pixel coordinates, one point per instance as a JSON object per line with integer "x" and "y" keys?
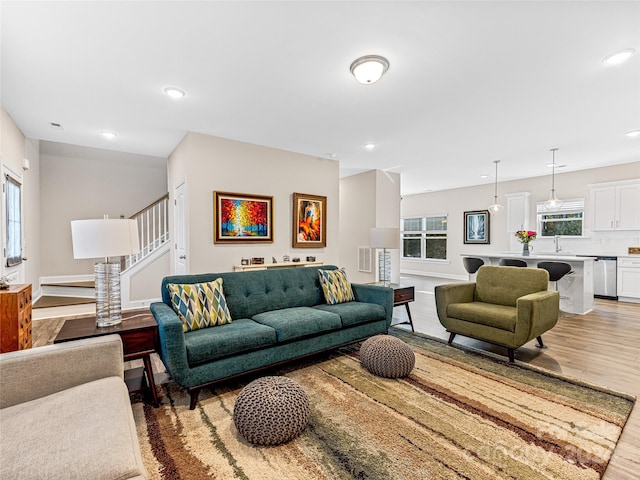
{"x": 200, "y": 305}
{"x": 335, "y": 286}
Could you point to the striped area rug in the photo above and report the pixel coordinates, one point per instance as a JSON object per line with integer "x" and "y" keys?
{"x": 458, "y": 415}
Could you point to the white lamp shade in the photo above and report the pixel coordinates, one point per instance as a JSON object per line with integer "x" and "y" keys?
{"x": 382, "y": 237}
{"x": 102, "y": 238}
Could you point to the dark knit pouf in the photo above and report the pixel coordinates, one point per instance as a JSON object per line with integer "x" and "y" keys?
{"x": 387, "y": 356}
{"x": 271, "y": 410}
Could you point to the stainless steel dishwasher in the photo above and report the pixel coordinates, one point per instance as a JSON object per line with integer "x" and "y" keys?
{"x": 605, "y": 277}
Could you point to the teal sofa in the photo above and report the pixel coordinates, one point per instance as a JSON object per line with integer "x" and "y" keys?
{"x": 278, "y": 315}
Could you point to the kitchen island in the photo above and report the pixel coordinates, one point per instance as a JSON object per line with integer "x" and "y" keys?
{"x": 576, "y": 288}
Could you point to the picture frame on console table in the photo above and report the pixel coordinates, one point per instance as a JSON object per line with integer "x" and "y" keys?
{"x": 476, "y": 227}
{"x": 309, "y": 221}
{"x": 242, "y": 218}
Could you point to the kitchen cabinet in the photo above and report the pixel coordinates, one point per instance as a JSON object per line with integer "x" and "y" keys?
{"x": 518, "y": 211}
{"x": 629, "y": 279}
{"x": 614, "y": 206}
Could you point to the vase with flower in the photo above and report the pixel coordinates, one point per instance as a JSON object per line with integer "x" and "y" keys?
{"x": 524, "y": 237}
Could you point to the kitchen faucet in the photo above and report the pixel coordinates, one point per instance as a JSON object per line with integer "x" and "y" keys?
{"x": 556, "y": 242}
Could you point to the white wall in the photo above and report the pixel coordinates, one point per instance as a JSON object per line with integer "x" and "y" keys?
{"x": 370, "y": 199}
{"x": 210, "y": 163}
{"x": 568, "y": 185}
{"x": 79, "y": 183}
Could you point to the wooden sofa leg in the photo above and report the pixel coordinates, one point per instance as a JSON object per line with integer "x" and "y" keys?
{"x": 451, "y": 337}
{"x": 194, "y": 399}
{"x": 511, "y": 356}
{"x": 540, "y": 344}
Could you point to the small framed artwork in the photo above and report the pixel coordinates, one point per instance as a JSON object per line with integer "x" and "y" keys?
{"x": 476, "y": 227}
{"x": 242, "y": 218}
{"x": 309, "y": 221}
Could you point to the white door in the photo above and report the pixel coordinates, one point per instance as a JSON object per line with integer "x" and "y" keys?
{"x": 180, "y": 230}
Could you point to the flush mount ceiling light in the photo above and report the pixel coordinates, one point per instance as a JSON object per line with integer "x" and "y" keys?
{"x": 619, "y": 57}
{"x": 633, "y": 133}
{"x": 554, "y": 202}
{"x": 495, "y": 208}
{"x": 369, "y": 69}
{"x": 110, "y": 134}
{"x": 174, "y": 92}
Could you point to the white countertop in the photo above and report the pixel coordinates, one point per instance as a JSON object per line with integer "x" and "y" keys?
{"x": 533, "y": 256}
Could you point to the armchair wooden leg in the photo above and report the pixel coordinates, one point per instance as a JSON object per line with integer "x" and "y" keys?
{"x": 451, "y": 337}
{"x": 511, "y": 356}
{"x": 540, "y": 344}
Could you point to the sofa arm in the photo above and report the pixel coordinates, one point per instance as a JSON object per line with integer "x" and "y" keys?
{"x": 536, "y": 313}
{"x": 452, "y": 293}
{"x": 29, "y": 374}
{"x": 172, "y": 347}
{"x": 375, "y": 294}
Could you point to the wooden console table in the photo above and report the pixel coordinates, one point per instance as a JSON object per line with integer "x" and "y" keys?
{"x": 265, "y": 266}
{"x": 139, "y": 333}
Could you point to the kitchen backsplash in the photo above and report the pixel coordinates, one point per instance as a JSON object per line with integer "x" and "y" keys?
{"x": 596, "y": 243}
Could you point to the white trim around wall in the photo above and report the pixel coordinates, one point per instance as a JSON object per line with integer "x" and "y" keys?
{"x": 422, "y": 273}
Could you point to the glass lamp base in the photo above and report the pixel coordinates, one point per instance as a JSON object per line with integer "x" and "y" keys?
{"x": 108, "y": 309}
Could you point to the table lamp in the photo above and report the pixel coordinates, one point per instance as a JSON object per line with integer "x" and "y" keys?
{"x": 385, "y": 238}
{"x": 104, "y": 238}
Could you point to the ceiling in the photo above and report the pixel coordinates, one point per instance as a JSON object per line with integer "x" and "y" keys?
{"x": 469, "y": 82}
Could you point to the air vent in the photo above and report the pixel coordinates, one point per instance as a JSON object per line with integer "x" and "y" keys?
{"x": 364, "y": 259}
{"x": 56, "y": 126}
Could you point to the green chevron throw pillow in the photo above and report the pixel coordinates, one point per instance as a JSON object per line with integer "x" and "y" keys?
{"x": 336, "y": 286}
{"x": 200, "y": 305}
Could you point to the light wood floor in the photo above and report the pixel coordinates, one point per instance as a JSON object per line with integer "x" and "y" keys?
{"x": 602, "y": 347}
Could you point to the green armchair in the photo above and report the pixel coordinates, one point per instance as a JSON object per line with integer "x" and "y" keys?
{"x": 507, "y": 306}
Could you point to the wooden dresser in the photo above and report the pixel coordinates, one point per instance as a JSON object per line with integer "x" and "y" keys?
{"x": 15, "y": 318}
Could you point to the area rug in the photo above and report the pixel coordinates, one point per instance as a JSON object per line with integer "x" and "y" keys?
{"x": 459, "y": 414}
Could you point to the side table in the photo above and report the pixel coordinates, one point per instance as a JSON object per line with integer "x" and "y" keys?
{"x": 139, "y": 333}
{"x": 402, "y": 295}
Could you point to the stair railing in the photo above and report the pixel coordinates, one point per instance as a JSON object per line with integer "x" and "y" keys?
{"x": 153, "y": 230}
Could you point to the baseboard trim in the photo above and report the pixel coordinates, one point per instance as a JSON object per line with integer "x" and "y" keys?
{"x": 422, "y": 273}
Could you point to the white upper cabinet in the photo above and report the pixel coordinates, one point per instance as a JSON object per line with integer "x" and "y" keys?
{"x": 615, "y": 206}
{"x": 518, "y": 207}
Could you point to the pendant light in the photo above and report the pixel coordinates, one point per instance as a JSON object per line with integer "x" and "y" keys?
{"x": 495, "y": 208}
{"x": 554, "y": 202}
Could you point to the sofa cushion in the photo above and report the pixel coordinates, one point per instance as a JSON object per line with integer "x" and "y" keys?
{"x": 297, "y": 322}
{"x": 200, "y": 305}
{"x": 335, "y": 286}
{"x": 242, "y": 335}
{"x": 492, "y": 315}
{"x": 353, "y": 313}
{"x": 83, "y": 432}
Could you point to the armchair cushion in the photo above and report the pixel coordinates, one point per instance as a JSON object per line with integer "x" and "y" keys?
{"x": 499, "y": 316}
{"x": 504, "y": 285}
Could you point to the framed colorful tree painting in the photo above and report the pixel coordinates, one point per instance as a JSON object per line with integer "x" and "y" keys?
{"x": 309, "y": 221}
{"x": 242, "y": 218}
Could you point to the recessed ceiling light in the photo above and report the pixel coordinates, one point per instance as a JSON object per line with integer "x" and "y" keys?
{"x": 550, "y": 165}
{"x": 369, "y": 146}
{"x": 633, "y": 133}
{"x": 174, "y": 92}
{"x": 619, "y": 57}
{"x": 56, "y": 126}
{"x": 484, "y": 176}
{"x": 110, "y": 134}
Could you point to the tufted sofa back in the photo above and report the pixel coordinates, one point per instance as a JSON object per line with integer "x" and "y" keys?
{"x": 253, "y": 292}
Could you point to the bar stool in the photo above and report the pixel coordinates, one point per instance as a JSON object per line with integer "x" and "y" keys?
{"x": 472, "y": 264}
{"x": 556, "y": 270}
{"x": 512, "y": 262}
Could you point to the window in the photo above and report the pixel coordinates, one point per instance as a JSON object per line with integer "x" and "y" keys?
{"x": 425, "y": 237}
{"x": 14, "y": 222}
{"x": 566, "y": 221}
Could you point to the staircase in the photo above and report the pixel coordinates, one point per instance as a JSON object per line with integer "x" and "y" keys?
{"x": 153, "y": 233}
